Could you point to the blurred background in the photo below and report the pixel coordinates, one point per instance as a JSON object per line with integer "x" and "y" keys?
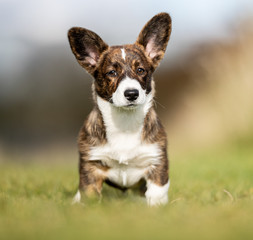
{"x": 204, "y": 84}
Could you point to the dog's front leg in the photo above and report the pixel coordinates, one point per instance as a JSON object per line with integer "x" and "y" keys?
{"x": 158, "y": 185}
{"x": 91, "y": 180}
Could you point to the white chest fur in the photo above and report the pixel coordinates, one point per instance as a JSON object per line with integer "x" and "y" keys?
{"x": 128, "y": 163}
{"x": 127, "y": 156}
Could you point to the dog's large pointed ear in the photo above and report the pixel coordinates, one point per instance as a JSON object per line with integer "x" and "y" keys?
{"x": 87, "y": 47}
{"x": 155, "y": 35}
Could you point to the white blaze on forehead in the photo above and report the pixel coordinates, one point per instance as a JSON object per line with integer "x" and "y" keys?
{"x": 123, "y": 53}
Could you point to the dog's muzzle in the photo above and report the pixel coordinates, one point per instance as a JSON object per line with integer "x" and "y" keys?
{"x": 129, "y": 93}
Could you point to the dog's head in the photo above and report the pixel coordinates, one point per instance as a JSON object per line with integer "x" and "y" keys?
{"x": 123, "y": 74}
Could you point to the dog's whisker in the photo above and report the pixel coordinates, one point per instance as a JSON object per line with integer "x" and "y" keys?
{"x": 156, "y": 102}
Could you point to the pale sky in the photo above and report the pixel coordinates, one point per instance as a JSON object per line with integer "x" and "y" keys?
{"x": 28, "y": 23}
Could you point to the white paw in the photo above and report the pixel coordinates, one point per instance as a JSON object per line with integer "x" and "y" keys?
{"x": 157, "y": 195}
{"x": 77, "y": 198}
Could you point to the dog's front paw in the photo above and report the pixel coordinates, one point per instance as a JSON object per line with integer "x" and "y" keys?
{"x": 157, "y": 195}
{"x": 157, "y": 200}
{"x": 76, "y": 198}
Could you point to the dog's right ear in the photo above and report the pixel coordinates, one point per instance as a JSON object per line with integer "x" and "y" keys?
{"x": 87, "y": 47}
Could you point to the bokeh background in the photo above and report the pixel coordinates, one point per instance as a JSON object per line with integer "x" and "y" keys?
{"x": 204, "y": 84}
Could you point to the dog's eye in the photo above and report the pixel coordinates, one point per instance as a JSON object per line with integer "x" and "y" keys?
{"x": 112, "y": 73}
{"x": 140, "y": 71}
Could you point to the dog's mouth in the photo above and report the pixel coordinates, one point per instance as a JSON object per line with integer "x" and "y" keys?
{"x": 130, "y": 106}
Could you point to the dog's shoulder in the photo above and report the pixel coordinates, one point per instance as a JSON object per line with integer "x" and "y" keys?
{"x": 93, "y": 131}
{"x": 153, "y": 130}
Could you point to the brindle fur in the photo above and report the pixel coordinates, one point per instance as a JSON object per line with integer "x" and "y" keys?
{"x": 99, "y": 59}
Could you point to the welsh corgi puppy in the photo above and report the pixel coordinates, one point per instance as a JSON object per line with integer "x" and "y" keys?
{"x": 122, "y": 141}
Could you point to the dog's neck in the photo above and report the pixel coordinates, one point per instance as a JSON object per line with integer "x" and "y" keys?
{"x": 120, "y": 120}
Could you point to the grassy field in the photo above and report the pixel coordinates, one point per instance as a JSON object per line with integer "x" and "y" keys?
{"x": 211, "y": 197}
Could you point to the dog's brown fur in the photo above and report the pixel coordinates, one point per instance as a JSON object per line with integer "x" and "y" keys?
{"x": 102, "y": 61}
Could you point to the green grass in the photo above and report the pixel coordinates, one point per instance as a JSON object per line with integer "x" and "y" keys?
{"x": 211, "y": 197}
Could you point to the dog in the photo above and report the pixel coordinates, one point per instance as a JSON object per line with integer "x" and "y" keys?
{"x": 123, "y": 142}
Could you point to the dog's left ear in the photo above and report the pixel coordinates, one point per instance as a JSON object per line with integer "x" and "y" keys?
{"x": 155, "y": 35}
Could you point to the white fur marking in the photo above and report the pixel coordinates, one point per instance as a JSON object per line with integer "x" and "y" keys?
{"x": 124, "y": 178}
{"x": 123, "y": 53}
{"x": 157, "y": 195}
{"x": 124, "y": 132}
{"x": 127, "y": 156}
{"x": 77, "y": 198}
{"x": 119, "y": 99}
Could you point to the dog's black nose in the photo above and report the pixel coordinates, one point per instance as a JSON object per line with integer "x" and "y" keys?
{"x": 131, "y": 94}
